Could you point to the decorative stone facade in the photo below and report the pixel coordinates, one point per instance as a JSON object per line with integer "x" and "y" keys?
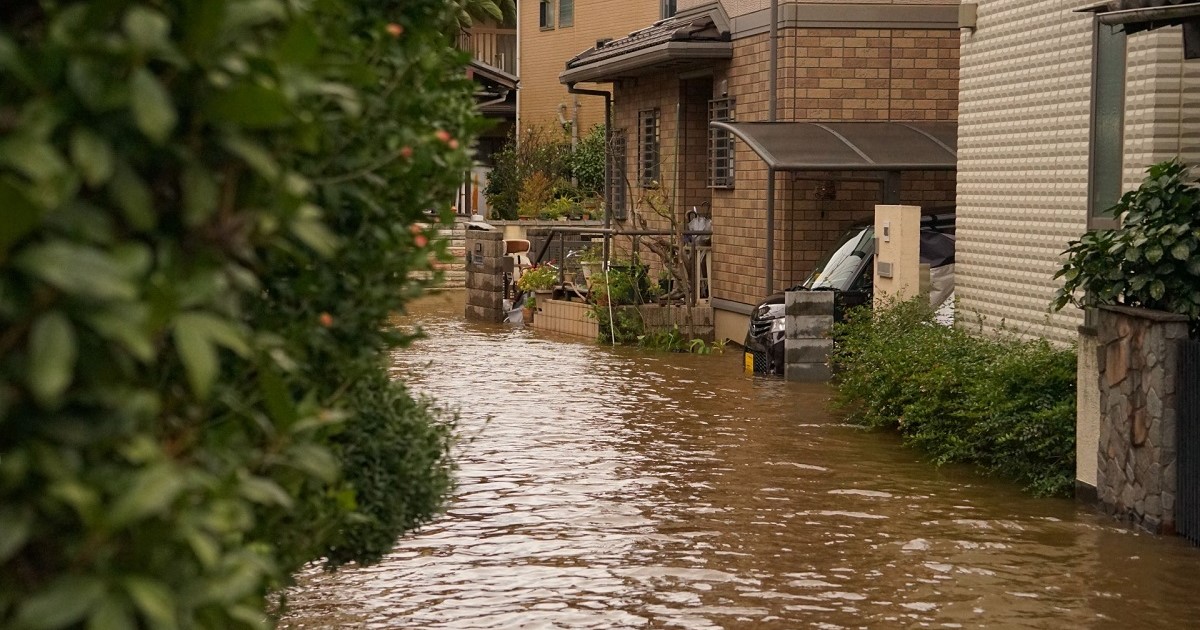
{"x": 1137, "y": 356}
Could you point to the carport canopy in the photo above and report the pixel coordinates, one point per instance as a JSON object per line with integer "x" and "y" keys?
{"x": 849, "y": 146}
{"x": 887, "y": 147}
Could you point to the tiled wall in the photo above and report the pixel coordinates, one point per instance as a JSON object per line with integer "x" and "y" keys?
{"x": 567, "y": 318}
{"x": 1023, "y": 150}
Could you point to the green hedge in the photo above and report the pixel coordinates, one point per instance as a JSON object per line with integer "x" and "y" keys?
{"x": 210, "y": 209}
{"x": 1004, "y": 404}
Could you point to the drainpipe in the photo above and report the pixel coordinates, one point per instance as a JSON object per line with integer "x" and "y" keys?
{"x": 517, "y": 67}
{"x": 773, "y": 70}
{"x": 608, "y": 130}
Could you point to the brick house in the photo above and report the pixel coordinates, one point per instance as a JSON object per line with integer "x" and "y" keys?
{"x": 691, "y": 97}
{"x": 1059, "y": 114}
{"x": 550, "y": 32}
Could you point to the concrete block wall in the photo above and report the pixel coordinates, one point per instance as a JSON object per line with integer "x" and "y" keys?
{"x": 485, "y": 275}
{"x": 808, "y": 338}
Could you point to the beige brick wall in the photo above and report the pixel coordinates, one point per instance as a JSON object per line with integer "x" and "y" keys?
{"x": 825, "y": 74}
{"x": 1023, "y": 151}
{"x": 544, "y": 55}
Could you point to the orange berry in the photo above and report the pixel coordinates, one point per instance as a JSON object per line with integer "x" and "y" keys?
{"x": 420, "y": 240}
{"x": 406, "y": 152}
{"x": 453, "y": 143}
{"x": 443, "y": 135}
{"x": 395, "y": 30}
{"x": 326, "y": 320}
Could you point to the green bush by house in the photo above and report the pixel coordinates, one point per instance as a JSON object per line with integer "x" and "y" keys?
{"x": 1004, "y": 404}
{"x": 210, "y": 208}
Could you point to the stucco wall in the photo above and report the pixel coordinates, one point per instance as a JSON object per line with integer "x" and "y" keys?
{"x": 1023, "y": 143}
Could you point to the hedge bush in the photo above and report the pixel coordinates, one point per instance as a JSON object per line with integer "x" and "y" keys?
{"x": 210, "y": 210}
{"x": 1004, "y": 404}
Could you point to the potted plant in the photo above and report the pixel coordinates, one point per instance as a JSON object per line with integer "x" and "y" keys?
{"x": 539, "y": 280}
{"x": 591, "y": 261}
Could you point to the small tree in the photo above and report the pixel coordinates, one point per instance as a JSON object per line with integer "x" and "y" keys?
{"x": 1152, "y": 260}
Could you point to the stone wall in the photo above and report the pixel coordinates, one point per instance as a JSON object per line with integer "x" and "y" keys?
{"x": 485, "y": 275}
{"x": 808, "y": 340}
{"x": 1137, "y": 355}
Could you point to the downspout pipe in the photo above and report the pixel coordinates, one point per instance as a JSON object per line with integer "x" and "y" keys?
{"x": 608, "y": 174}
{"x": 773, "y": 65}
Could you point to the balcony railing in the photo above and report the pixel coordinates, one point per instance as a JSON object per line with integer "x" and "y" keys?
{"x": 496, "y": 47}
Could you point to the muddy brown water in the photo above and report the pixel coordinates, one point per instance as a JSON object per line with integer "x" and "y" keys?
{"x": 603, "y": 488}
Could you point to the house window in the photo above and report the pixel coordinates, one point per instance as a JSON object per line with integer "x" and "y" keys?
{"x": 720, "y": 144}
{"x": 648, "y": 148}
{"x": 666, "y": 8}
{"x": 546, "y": 14}
{"x": 1106, "y": 170}
{"x": 566, "y": 13}
{"x": 618, "y": 175}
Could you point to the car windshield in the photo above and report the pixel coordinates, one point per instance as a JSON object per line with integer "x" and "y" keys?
{"x": 837, "y": 270}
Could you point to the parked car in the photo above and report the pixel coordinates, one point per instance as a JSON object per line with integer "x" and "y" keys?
{"x": 849, "y": 271}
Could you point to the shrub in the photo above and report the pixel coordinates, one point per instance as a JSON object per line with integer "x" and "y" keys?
{"x": 209, "y": 212}
{"x": 1003, "y": 404}
{"x": 543, "y": 151}
{"x": 1152, "y": 260}
{"x": 587, "y": 162}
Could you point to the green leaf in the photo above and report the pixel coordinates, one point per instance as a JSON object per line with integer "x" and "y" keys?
{"x": 1181, "y": 250}
{"x": 312, "y": 232}
{"x": 1194, "y": 266}
{"x": 153, "y": 489}
{"x": 255, "y": 156}
{"x": 111, "y": 614}
{"x": 220, "y": 330}
{"x": 146, "y": 28}
{"x": 77, "y": 269}
{"x": 52, "y": 354}
{"x": 153, "y": 599}
{"x": 132, "y": 195}
{"x": 66, "y": 601}
{"x": 250, "y": 105}
{"x": 264, "y": 491}
{"x": 15, "y": 528}
{"x": 200, "y": 195}
{"x": 198, "y": 355}
{"x": 92, "y": 156}
{"x": 1154, "y": 253}
{"x": 20, "y": 215}
{"x": 126, "y": 327}
{"x": 153, "y": 110}
{"x": 33, "y": 157}
{"x": 1157, "y": 289}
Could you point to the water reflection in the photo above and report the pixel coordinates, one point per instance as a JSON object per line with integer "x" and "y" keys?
{"x": 604, "y": 488}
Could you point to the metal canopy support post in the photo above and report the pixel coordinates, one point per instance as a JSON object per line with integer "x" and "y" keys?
{"x": 773, "y": 69}
{"x": 891, "y": 188}
{"x": 770, "y": 261}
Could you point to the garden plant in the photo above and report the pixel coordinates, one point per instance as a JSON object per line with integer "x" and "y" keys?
{"x": 210, "y": 211}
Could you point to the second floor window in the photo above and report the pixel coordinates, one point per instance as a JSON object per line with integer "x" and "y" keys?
{"x": 648, "y": 153}
{"x": 666, "y": 8}
{"x": 566, "y": 13}
{"x": 546, "y": 14}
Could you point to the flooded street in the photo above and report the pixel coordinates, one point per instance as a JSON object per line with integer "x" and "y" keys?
{"x": 603, "y": 488}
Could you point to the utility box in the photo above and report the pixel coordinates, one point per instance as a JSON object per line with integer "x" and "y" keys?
{"x": 897, "y": 253}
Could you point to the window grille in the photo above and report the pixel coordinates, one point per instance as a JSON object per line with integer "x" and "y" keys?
{"x": 619, "y": 178}
{"x": 648, "y": 158}
{"x": 720, "y": 144}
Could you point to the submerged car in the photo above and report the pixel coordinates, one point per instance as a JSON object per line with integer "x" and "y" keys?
{"x": 848, "y": 270}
